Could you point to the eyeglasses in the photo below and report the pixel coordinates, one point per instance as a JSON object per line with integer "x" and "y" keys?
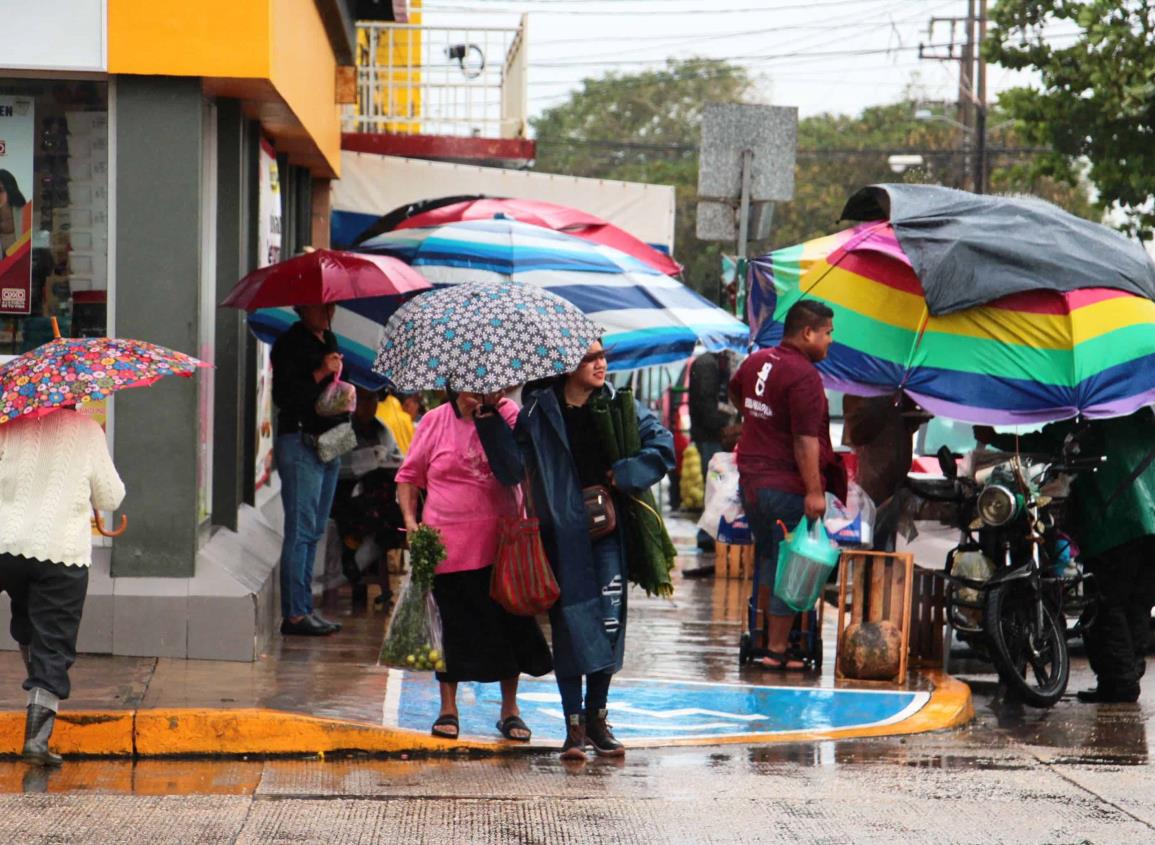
{"x": 600, "y": 355}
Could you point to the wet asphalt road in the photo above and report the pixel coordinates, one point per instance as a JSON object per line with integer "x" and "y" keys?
{"x": 1075, "y": 774}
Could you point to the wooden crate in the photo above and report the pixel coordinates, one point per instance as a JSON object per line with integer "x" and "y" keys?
{"x": 928, "y": 620}
{"x": 882, "y": 583}
{"x": 734, "y": 561}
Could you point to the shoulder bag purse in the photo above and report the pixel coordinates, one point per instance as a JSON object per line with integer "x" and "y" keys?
{"x": 601, "y": 515}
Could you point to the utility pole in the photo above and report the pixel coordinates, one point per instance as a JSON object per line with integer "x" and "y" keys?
{"x": 981, "y": 106}
{"x": 971, "y": 105}
{"x": 966, "y": 79}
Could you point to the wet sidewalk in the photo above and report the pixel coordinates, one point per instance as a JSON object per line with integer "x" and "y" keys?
{"x": 681, "y": 684}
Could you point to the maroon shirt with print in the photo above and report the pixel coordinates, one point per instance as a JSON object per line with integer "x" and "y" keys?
{"x": 780, "y": 395}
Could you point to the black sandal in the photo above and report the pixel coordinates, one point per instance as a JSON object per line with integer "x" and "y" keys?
{"x": 780, "y": 659}
{"x": 446, "y": 721}
{"x": 514, "y": 723}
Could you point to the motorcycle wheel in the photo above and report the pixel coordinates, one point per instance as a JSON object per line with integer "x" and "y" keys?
{"x": 1034, "y": 663}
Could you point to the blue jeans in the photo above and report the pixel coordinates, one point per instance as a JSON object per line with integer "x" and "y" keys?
{"x": 764, "y": 507}
{"x": 307, "y": 489}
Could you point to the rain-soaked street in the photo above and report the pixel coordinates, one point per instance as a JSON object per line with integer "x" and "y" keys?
{"x": 1077, "y": 773}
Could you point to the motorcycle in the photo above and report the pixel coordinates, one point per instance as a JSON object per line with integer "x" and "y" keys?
{"x": 1012, "y": 580}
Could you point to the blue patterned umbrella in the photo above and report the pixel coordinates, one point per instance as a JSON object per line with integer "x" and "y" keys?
{"x": 482, "y": 337}
{"x": 648, "y": 318}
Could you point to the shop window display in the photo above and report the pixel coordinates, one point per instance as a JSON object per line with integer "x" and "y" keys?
{"x": 68, "y": 195}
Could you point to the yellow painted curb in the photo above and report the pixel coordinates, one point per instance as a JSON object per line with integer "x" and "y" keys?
{"x": 260, "y": 731}
{"x": 103, "y": 733}
{"x": 257, "y": 731}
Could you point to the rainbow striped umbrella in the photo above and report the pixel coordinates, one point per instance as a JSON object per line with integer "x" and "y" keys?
{"x": 1030, "y": 357}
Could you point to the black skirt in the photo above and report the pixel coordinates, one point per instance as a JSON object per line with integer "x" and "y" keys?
{"x": 481, "y": 641}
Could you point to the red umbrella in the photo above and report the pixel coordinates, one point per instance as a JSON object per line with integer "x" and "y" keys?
{"x": 560, "y": 218}
{"x": 323, "y": 276}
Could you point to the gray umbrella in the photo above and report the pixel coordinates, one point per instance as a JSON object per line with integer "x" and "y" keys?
{"x": 968, "y": 249}
{"x": 482, "y": 337}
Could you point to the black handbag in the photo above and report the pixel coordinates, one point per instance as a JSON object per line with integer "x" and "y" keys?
{"x": 601, "y": 515}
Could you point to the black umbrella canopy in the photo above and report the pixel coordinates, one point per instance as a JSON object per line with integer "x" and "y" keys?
{"x": 391, "y": 220}
{"x": 969, "y": 249}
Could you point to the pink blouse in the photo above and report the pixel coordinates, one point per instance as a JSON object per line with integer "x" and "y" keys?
{"x": 462, "y": 498}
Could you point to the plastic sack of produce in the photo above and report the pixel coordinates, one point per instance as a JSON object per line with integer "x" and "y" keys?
{"x": 850, "y": 523}
{"x": 724, "y": 516}
{"x": 336, "y": 398}
{"x": 413, "y": 638}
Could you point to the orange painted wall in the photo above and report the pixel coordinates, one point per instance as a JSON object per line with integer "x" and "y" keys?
{"x": 206, "y": 38}
{"x": 305, "y": 74}
{"x": 283, "y": 41}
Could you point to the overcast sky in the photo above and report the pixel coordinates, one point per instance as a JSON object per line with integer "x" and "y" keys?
{"x": 821, "y": 56}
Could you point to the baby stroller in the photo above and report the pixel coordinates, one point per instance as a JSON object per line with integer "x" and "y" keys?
{"x": 805, "y": 642}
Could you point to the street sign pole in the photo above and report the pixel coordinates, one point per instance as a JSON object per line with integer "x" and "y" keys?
{"x": 744, "y": 203}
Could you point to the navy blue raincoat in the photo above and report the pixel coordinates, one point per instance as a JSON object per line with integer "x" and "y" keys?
{"x": 589, "y": 620}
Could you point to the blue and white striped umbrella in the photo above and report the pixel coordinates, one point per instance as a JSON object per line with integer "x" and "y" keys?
{"x": 357, "y": 323}
{"x": 649, "y": 318}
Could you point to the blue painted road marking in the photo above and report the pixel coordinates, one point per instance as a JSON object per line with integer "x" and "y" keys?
{"x": 655, "y": 710}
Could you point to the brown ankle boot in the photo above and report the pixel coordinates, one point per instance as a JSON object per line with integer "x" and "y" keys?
{"x": 600, "y": 736}
{"x": 575, "y": 738}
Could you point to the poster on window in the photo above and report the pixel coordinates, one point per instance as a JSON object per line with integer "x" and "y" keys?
{"x": 268, "y": 252}
{"x": 17, "y": 134}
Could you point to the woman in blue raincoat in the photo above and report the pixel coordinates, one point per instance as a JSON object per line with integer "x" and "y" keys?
{"x": 555, "y": 444}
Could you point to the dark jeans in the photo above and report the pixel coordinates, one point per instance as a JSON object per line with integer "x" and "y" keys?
{"x": 764, "y": 508}
{"x": 47, "y": 602}
{"x": 1117, "y": 640}
{"x": 597, "y": 692}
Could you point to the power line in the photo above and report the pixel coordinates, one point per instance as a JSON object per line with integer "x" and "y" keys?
{"x": 802, "y": 55}
{"x": 634, "y": 146}
{"x": 587, "y": 12}
{"x": 862, "y": 25}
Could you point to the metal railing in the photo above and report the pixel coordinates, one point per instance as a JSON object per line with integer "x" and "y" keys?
{"x": 463, "y": 81}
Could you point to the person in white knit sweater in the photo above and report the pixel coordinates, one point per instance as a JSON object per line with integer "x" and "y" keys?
{"x": 53, "y": 470}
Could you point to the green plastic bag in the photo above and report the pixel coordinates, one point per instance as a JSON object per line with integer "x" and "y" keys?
{"x": 805, "y": 559}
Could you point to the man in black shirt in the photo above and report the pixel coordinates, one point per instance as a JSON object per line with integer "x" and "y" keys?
{"x": 305, "y": 359}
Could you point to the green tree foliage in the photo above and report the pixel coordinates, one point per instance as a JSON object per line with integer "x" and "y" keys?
{"x": 838, "y": 154}
{"x": 1097, "y": 97}
{"x": 645, "y": 127}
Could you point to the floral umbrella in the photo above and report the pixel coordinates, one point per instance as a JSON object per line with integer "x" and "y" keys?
{"x": 69, "y": 371}
{"x": 480, "y": 336}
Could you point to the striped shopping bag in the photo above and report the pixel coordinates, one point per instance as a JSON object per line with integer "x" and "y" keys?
{"x": 523, "y": 582}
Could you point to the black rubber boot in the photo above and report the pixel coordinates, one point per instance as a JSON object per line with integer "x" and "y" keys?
{"x": 1110, "y": 693}
{"x": 38, "y": 725}
{"x": 600, "y": 736}
{"x": 574, "y": 748}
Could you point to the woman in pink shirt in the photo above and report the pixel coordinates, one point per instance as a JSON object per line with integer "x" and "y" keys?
{"x": 463, "y": 500}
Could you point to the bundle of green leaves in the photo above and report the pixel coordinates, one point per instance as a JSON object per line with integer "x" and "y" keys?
{"x": 425, "y": 551}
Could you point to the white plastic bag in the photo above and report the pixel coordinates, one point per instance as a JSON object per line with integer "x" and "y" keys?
{"x": 724, "y": 516}
{"x": 413, "y": 638}
{"x": 850, "y": 523}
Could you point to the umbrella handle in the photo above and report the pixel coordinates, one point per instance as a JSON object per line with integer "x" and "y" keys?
{"x": 116, "y": 532}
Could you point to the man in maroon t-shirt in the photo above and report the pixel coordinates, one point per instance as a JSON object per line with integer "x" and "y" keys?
{"x": 785, "y": 459}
